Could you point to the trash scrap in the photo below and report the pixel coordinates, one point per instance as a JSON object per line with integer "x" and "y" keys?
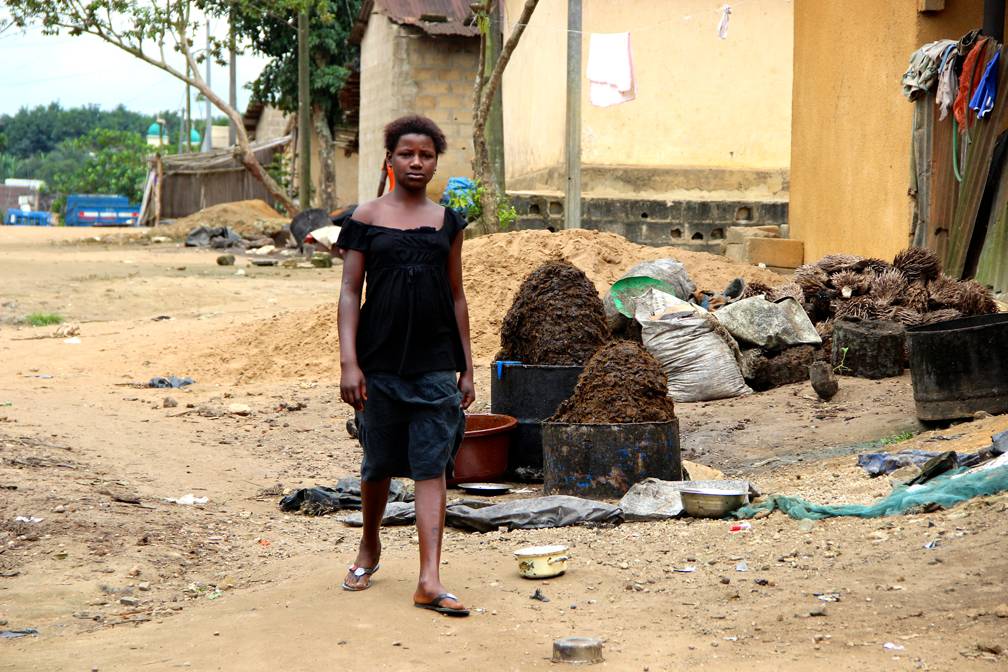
{"x": 653, "y": 499}
{"x": 12, "y": 634}
{"x": 23, "y": 519}
{"x": 214, "y": 236}
{"x": 323, "y": 499}
{"x": 533, "y": 514}
{"x": 892, "y": 647}
{"x": 667, "y": 272}
{"x": 945, "y": 490}
{"x": 538, "y": 595}
{"x": 170, "y": 381}
{"x": 187, "y": 500}
{"x": 880, "y": 464}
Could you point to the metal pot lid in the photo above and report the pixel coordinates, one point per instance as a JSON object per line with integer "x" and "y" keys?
{"x": 485, "y": 488}
{"x": 719, "y": 493}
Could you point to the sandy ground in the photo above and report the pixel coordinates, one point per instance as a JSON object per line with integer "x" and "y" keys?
{"x": 116, "y": 578}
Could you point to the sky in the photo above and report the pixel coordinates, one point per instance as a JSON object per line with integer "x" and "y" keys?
{"x": 75, "y": 71}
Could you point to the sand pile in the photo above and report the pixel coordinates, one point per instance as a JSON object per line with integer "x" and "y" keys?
{"x": 494, "y": 267}
{"x": 251, "y": 217}
{"x": 621, "y": 383}
{"x": 556, "y": 319}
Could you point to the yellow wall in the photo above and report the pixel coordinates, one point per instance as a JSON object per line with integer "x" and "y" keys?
{"x": 700, "y": 101}
{"x": 850, "y": 158}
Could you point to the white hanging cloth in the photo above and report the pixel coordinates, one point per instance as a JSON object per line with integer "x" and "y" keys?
{"x": 722, "y": 26}
{"x": 610, "y": 69}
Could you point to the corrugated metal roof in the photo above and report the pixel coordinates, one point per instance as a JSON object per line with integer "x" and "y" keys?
{"x": 412, "y": 13}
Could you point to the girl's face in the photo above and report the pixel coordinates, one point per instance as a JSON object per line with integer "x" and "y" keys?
{"x": 413, "y": 161}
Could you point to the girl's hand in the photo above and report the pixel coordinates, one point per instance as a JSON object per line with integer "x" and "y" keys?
{"x": 467, "y": 388}
{"x": 353, "y": 387}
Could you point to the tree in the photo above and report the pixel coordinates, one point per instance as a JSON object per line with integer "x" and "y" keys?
{"x": 483, "y": 95}
{"x": 116, "y": 164}
{"x": 145, "y": 30}
{"x": 274, "y": 34}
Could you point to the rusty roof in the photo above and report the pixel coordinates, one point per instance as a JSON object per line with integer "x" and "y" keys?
{"x": 434, "y": 17}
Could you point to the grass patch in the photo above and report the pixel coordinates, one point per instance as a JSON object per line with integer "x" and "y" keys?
{"x": 43, "y": 319}
{"x": 897, "y": 438}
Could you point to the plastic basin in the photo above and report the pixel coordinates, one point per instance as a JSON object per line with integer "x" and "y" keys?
{"x": 483, "y": 455}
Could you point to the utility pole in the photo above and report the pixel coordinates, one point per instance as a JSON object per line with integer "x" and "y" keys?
{"x": 233, "y": 89}
{"x": 207, "y": 134}
{"x": 572, "y": 207}
{"x": 304, "y": 113}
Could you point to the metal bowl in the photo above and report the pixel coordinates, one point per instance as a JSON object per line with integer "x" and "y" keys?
{"x": 711, "y": 503}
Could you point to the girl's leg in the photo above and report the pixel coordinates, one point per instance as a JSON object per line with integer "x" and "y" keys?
{"x": 430, "y": 515}
{"x": 374, "y": 496}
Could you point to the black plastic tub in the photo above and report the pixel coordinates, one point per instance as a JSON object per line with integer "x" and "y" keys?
{"x": 959, "y": 367}
{"x": 531, "y": 394}
{"x": 603, "y": 461}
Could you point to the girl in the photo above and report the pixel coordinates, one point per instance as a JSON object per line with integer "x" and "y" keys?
{"x": 399, "y": 352}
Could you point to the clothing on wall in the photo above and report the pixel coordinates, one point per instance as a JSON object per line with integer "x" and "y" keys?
{"x": 983, "y": 100}
{"x": 610, "y": 69}
{"x": 968, "y": 79}
{"x": 922, "y": 74}
{"x": 944, "y": 96}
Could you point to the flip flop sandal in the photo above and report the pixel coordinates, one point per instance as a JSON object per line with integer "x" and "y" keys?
{"x": 359, "y": 572}
{"x": 435, "y": 605}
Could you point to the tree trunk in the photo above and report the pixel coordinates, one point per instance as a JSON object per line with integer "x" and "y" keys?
{"x": 327, "y": 161}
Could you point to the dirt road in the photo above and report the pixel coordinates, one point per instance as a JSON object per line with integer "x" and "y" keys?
{"x": 114, "y": 577}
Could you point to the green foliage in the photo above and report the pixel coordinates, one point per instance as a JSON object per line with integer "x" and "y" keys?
{"x": 4, "y": 142}
{"x": 43, "y": 319}
{"x": 273, "y": 33}
{"x": 840, "y": 368}
{"x": 897, "y": 438}
{"x": 115, "y": 164}
{"x": 44, "y": 128}
{"x": 470, "y": 201}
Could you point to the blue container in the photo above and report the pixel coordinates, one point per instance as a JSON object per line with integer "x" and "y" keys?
{"x": 26, "y": 218}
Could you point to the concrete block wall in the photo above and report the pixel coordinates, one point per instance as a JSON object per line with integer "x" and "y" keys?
{"x": 694, "y": 225}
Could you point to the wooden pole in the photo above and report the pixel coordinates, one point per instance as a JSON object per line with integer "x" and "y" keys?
{"x": 304, "y": 111}
{"x": 572, "y": 208}
{"x": 495, "y": 120}
{"x": 159, "y": 178}
{"x": 233, "y": 88}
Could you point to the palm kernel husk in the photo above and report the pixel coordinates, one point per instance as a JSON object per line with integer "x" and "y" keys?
{"x": 789, "y": 289}
{"x": 834, "y": 263}
{"x": 888, "y": 287}
{"x": 916, "y": 296}
{"x": 825, "y": 331}
{"x": 943, "y": 292}
{"x": 856, "y": 283}
{"x": 878, "y": 265}
{"x": 918, "y": 262}
{"x": 901, "y": 314}
{"x": 974, "y": 299}
{"x": 940, "y": 315}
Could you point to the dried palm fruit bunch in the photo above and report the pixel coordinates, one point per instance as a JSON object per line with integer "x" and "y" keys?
{"x": 859, "y": 306}
{"x": 943, "y": 292}
{"x": 825, "y": 331}
{"x": 755, "y": 289}
{"x": 888, "y": 288}
{"x": 940, "y": 315}
{"x": 878, "y": 265}
{"x": 916, "y": 296}
{"x": 918, "y": 262}
{"x": 849, "y": 283}
{"x": 901, "y": 314}
{"x": 811, "y": 279}
{"x": 790, "y": 289}
{"x": 834, "y": 263}
{"x": 972, "y": 298}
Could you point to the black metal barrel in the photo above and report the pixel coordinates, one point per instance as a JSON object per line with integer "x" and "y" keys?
{"x": 531, "y": 394}
{"x": 605, "y": 460}
{"x": 959, "y": 367}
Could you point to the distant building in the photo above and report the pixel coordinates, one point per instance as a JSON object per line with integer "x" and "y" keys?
{"x": 20, "y": 195}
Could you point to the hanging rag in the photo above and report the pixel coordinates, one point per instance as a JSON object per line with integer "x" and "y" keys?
{"x": 967, "y": 79}
{"x": 946, "y": 82}
{"x": 983, "y": 100}
{"x": 920, "y": 77}
{"x": 722, "y": 26}
{"x": 610, "y": 69}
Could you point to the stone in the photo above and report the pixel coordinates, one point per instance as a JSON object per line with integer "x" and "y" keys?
{"x": 60, "y": 509}
{"x": 824, "y": 380}
{"x": 144, "y": 586}
{"x": 321, "y": 260}
{"x": 869, "y": 348}
{"x": 169, "y": 403}
{"x": 777, "y": 252}
{"x": 819, "y": 611}
{"x": 1001, "y": 611}
{"x": 990, "y": 647}
{"x": 737, "y": 235}
{"x": 289, "y": 263}
{"x": 134, "y": 571}
{"x": 226, "y": 260}
{"x": 128, "y": 601}
{"x": 700, "y": 472}
{"x": 982, "y": 415}
{"x": 239, "y": 409}
{"x": 904, "y": 475}
{"x": 806, "y": 525}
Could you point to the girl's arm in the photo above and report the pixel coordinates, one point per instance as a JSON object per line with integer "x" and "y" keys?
{"x": 353, "y": 387}
{"x": 466, "y": 382}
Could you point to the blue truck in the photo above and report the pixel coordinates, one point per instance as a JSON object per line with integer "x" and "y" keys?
{"x": 27, "y": 218}
{"x": 100, "y": 210}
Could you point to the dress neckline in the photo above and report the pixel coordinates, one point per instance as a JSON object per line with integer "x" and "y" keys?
{"x": 419, "y": 229}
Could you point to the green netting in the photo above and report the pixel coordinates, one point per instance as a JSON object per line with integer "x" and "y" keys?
{"x": 947, "y": 490}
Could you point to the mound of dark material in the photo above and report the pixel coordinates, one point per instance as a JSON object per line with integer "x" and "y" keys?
{"x": 621, "y": 383}
{"x": 557, "y": 318}
{"x": 790, "y": 366}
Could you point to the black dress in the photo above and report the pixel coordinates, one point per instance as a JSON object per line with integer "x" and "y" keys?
{"x": 409, "y": 348}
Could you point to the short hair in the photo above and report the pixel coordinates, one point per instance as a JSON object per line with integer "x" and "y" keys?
{"x": 415, "y": 124}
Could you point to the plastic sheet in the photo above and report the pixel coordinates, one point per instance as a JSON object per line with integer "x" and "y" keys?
{"x": 346, "y": 495}
{"x": 223, "y": 236}
{"x": 532, "y": 514}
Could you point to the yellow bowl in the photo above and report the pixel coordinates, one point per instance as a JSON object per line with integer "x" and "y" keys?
{"x": 542, "y": 562}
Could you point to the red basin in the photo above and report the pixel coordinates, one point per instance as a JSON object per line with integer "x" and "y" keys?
{"x": 483, "y": 455}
